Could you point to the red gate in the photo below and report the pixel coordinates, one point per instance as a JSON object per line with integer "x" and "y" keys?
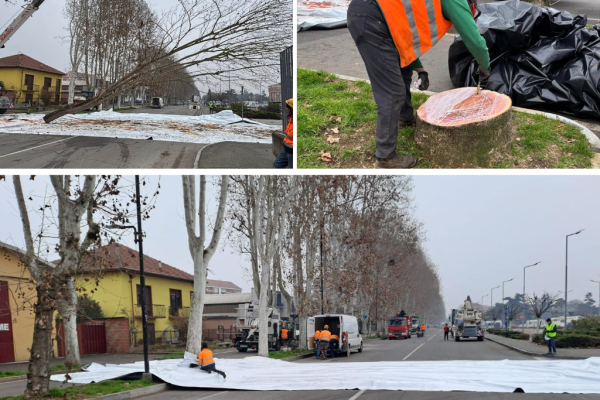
{"x": 91, "y": 337}
{"x": 7, "y": 350}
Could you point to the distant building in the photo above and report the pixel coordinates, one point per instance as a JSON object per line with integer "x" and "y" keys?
{"x": 81, "y": 85}
{"x": 221, "y": 287}
{"x": 275, "y": 93}
{"x": 29, "y": 81}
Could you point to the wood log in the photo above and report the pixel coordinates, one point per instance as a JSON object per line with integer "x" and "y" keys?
{"x": 460, "y": 128}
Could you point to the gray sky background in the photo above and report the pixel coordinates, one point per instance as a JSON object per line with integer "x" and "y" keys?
{"x": 481, "y": 230}
{"x": 41, "y": 36}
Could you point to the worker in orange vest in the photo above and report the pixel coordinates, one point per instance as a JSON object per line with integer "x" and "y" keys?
{"x": 284, "y": 335}
{"x": 318, "y": 342}
{"x": 206, "y": 361}
{"x": 286, "y": 157}
{"x": 335, "y": 339}
{"x": 324, "y": 339}
{"x": 390, "y": 36}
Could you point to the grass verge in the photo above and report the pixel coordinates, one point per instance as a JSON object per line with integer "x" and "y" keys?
{"x": 53, "y": 368}
{"x": 279, "y": 355}
{"x": 91, "y": 390}
{"x": 174, "y": 355}
{"x": 336, "y": 129}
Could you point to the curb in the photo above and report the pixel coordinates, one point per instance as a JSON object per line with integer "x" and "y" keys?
{"x": 197, "y": 160}
{"x": 23, "y": 377}
{"x": 531, "y": 353}
{"x": 132, "y": 394}
{"x": 593, "y": 140}
{"x": 300, "y": 357}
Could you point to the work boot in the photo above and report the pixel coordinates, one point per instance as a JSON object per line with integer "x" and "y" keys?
{"x": 406, "y": 124}
{"x": 397, "y": 161}
{"x": 222, "y": 374}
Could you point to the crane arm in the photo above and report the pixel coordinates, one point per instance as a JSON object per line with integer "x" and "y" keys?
{"x": 28, "y": 11}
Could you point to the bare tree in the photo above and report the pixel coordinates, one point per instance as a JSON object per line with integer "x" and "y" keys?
{"x": 77, "y": 13}
{"x": 196, "y": 220}
{"x": 538, "y": 305}
{"x": 212, "y": 38}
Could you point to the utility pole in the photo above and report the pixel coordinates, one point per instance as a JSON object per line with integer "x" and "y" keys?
{"x": 598, "y": 282}
{"x": 523, "y": 299}
{"x": 242, "y": 102}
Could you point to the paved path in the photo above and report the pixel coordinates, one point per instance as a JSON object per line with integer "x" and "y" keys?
{"x": 237, "y": 155}
{"x": 542, "y": 350}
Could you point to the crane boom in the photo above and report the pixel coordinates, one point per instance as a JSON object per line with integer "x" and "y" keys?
{"x": 28, "y": 11}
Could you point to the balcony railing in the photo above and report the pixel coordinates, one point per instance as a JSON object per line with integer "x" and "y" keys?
{"x": 179, "y": 312}
{"x": 51, "y": 89}
{"x": 153, "y": 310}
{"x": 30, "y": 88}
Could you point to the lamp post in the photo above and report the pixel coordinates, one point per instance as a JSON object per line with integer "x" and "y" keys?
{"x": 138, "y": 239}
{"x": 523, "y": 299}
{"x": 503, "y": 288}
{"x": 492, "y": 296}
{"x": 483, "y": 297}
{"x": 567, "y": 269}
{"x": 505, "y": 307}
{"x": 598, "y": 282}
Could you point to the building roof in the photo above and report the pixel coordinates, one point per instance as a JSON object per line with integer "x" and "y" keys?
{"x": 228, "y": 298}
{"x": 20, "y": 252}
{"x": 23, "y": 61}
{"x": 222, "y": 284}
{"x": 122, "y": 258}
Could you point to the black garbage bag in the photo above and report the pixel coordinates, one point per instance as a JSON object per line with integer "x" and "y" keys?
{"x": 541, "y": 57}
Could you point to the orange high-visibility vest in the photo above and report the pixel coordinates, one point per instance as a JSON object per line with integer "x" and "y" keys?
{"x": 205, "y": 357}
{"x": 289, "y": 132}
{"x": 325, "y": 336}
{"x": 317, "y": 335}
{"x": 423, "y": 327}
{"x": 284, "y": 333}
{"x": 335, "y": 337}
{"x": 416, "y": 26}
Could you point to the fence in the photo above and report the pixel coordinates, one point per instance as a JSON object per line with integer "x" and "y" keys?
{"x": 221, "y": 334}
{"x": 91, "y": 338}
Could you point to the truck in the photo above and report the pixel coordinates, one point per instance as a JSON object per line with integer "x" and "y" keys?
{"x": 400, "y": 326}
{"x": 28, "y": 10}
{"x": 467, "y": 322}
{"x": 248, "y": 338}
{"x": 5, "y": 104}
{"x": 157, "y": 102}
{"x": 344, "y": 326}
{"x": 416, "y": 321}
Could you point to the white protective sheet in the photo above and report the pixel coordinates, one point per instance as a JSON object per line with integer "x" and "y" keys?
{"x": 258, "y": 373}
{"x": 220, "y": 127}
{"x": 322, "y": 14}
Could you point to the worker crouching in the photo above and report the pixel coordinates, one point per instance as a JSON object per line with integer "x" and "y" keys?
{"x": 335, "y": 341}
{"x": 206, "y": 361}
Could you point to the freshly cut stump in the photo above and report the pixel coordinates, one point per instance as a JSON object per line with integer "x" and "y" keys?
{"x": 460, "y": 128}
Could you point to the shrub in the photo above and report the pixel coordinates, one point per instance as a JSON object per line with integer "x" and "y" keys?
{"x": 589, "y": 323}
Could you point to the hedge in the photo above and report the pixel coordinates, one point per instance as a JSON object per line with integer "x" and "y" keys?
{"x": 571, "y": 340}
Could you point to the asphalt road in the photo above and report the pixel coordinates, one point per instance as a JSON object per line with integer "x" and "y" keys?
{"x": 58, "y": 152}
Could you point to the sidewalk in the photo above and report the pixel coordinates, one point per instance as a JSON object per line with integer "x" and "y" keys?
{"x": 533, "y": 349}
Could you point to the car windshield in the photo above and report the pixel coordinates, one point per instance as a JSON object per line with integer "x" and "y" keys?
{"x": 397, "y": 322}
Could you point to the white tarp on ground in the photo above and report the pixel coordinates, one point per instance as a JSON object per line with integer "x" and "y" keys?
{"x": 258, "y": 373}
{"x": 322, "y": 14}
{"x": 224, "y": 126}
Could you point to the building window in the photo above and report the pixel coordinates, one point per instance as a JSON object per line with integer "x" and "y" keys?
{"x": 148, "y": 290}
{"x": 175, "y": 296}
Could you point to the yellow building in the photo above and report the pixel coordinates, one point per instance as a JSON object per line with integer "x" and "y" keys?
{"x": 16, "y": 298}
{"x": 29, "y": 81}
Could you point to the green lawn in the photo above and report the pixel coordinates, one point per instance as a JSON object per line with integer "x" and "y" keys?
{"x": 174, "y": 355}
{"x": 286, "y": 354}
{"x": 91, "y": 390}
{"x": 54, "y": 368}
{"x": 336, "y": 129}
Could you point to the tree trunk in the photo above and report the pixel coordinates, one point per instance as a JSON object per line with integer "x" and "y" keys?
{"x": 72, "y": 83}
{"x": 460, "y": 128}
{"x": 194, "y": 336}
{"x": 263, "y": 320}
{"x": 68, "y": 309}
{"x": 38, "y": 374}
{"x": 72, "y": 109}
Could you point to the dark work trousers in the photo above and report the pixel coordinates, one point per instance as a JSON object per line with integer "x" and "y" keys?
{"x": 390, "y": 83}
{"x": 446, "y": 335}
{"x": 332, "y": 344}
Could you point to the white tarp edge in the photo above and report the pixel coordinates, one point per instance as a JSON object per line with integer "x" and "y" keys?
{"x": 259, "y": 373}
{"x": 323, "y": 14}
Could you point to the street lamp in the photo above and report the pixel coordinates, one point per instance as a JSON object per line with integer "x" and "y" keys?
{"x": 598, "y": 282}
{"x": 492, "y": 295}
{"x": 523, "y": 299}
{"x": 483, "y": 297}
{"x": 503, "y": 288}
{"x": 566, "y": 270}
{"x": 138, "y": 239}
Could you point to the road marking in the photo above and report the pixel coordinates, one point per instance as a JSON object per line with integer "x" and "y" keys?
{"x": 212, "y": 395}
{"x": 36, "y": 147}
{"x": 432, "y": 337}
{"x": 357, "y": 395}
{"x": 413, "y": 351}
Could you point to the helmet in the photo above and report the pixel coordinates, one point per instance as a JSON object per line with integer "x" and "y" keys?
{"x": 290, "y": 103}
{"x": 326, "y": 326}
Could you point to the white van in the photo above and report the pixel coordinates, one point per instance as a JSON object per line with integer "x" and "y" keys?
{"x": 345, "y": 326}
{"x": 157, "y": 102}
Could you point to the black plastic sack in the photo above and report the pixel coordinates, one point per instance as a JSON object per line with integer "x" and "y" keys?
{"x": 540, "y": 58}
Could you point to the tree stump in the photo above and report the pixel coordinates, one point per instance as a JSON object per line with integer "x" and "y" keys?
{"x": 460, "y": 128}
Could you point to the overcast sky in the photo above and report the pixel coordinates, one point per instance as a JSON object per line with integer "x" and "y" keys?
{"x": 42, "y": 36}
{"x": 480, "y": 231}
